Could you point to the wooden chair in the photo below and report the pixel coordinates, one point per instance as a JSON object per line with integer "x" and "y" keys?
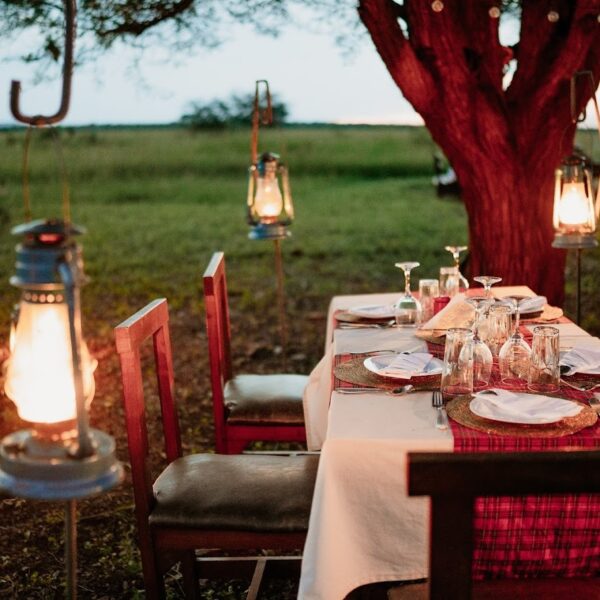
{"x": 201, "y": 500}
{"x": 454, "y": 481}
{"x": 246, "y": 407}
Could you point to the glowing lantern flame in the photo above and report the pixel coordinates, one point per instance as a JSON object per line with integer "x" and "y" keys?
{"x": 39, "y": 377}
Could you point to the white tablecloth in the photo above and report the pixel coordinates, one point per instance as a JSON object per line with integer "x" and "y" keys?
{"x": 363, "y": 527}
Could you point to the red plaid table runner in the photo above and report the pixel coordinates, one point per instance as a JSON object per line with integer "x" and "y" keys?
{"x": 532, "y": 536}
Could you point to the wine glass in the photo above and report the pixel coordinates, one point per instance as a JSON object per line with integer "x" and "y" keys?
{"x": 455, "y": 251}
{"x": 515, "y": 355}
{"x": 408, "y": 308}
{"x": 487, "y": 281}
{"x": 482, "y": 355}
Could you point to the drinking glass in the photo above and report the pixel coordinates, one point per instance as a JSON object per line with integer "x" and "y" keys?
{"x": 449, "y": 281}
{"x": 515, "y": 355}
{"x": 457, "y": 372}
{"x": 499, "y": 327}
{"x": 428, "y": 290}
{"x": 488, "y": 281}
{"x": 482, "y": 355}
{"x": 408, "y": 308}
{"x": 463, "y": 284}
{"x": 544, "y": 372}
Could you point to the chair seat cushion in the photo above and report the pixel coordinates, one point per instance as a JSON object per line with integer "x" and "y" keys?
{"x": 265, "y": 399}
{"x": 228, "y": 492}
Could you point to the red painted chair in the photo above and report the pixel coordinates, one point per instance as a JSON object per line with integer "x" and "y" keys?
{"x": 199, "y": 501}
{"x": 246, "y": 407}
{"x": 454, "y": 480}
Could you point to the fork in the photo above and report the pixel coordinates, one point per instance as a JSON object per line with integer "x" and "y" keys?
{"x": 441, "y": 419}
{"x": 584, "y": 387}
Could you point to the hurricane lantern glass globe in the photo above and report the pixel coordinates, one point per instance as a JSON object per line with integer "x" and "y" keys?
{"x": 575, "y": 213}
{"x": 270, "y": 206}
{"x": 39, "y": 377}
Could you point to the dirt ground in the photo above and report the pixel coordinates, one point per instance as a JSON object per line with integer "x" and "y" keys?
{"x": 32, "y": 536}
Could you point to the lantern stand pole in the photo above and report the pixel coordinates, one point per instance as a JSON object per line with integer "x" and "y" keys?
{"x": 281, "y": 300}
{"x": 71, "y": 548}
{"x": 578, "y": 290}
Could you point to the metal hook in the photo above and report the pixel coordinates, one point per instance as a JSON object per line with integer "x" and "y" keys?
{"x": 15, "y": 89}
{"x": 265, "y": 117}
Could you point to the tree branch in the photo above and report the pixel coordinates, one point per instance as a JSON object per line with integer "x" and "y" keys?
{"x": 163, "y": 12}
{"x": 407, "y": 71}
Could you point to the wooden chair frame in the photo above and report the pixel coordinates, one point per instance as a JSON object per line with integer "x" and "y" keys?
{"x": 455, "y": 480}
{"x": 161, "y": 547}
{"x": 231, "y": 438}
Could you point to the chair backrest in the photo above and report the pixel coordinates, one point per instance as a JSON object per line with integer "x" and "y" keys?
{"x": 454, "y": 480}
{"x": 218, "y": 331}
{"x": 150, "y": 322}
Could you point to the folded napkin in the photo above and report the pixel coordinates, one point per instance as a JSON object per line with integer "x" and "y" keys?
{"x": 374, "y": 311}
{"x": 405, "y": 365}
{"x": 457, "y": 313}
{"x": 516, "y": 407}
{"x": 580, "y": 360}
{"x": 530, "y": 305}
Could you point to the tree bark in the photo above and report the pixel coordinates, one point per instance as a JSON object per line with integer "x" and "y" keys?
{"x": 503, "y": 143}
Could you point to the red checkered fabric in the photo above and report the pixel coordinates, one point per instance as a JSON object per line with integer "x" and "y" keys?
{"x": 531, "y": 536}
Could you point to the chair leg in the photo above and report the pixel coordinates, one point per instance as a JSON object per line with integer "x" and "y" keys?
{"x": 259, "y": 571}
{"x": 190, "y": 575}
{"x": 154, "y": 583}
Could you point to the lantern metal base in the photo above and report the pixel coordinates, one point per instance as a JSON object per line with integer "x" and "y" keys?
{"x": 51, "y": 473}
{"x": 573, "y": 241}
{"x": 269, "y": 231}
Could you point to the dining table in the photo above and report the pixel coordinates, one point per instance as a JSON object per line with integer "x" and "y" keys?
{"x": 364, "y": 528}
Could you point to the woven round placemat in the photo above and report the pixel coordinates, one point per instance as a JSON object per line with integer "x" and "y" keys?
{"x": 458, "y": 409}
{"x": 346, "y": 317}
{"x": 354, "y": 371}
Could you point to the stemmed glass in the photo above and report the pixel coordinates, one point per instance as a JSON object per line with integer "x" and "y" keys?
{"x": 515, "y": 355}
{"x": 482, "y": 355}
{"x": 408, "y": 308}
{"x": 487, "y": 281}
{"x": 455, "y": 251}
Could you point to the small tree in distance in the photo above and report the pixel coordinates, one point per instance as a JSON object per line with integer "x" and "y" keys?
{"x": 234, "y": 112}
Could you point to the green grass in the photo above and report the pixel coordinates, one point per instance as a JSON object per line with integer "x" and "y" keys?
{"x": 157, "y": 203}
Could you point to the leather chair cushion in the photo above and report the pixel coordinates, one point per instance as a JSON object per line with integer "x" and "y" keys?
{"x": 229, "y": 492}
{"x": 265, "y": 399}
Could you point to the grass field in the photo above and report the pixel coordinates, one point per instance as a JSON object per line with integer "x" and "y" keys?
{"x": 157, "y": 203}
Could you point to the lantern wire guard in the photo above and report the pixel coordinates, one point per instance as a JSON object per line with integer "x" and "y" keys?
{"x": 572, "y": 173}
{"x": 271, "y": 218}
{"x": 60, "y": 457}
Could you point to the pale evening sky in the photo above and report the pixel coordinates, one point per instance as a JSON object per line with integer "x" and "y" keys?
{"x": 307, "y": 70}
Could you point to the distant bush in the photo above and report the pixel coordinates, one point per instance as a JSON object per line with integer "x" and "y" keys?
{"x": 234, "y": 112}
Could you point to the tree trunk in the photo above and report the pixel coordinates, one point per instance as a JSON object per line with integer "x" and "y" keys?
{"x": 504, "y": 143}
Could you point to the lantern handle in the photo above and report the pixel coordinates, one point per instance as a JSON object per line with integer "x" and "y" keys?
{"x": 575, "y": 118}
{"x": 59, "y": 115}
{"x": 264, "y": 116}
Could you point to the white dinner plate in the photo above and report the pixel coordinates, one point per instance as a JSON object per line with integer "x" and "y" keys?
{"x": 376, "y": 364}
{"x": 374, "y": 311}
{"x": 480, "y": 408}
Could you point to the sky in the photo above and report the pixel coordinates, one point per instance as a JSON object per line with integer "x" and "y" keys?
{"x": 307, "y": 70}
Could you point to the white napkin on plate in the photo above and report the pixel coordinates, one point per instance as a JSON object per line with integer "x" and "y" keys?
{"x": 374, "y": 311}
{"x": 535, "y": 304}
{"x": 457, "y": 313}
{"x": 515, "y": 407}
{"x": 404, "y": 365}
{"x": 581, "y": 360}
